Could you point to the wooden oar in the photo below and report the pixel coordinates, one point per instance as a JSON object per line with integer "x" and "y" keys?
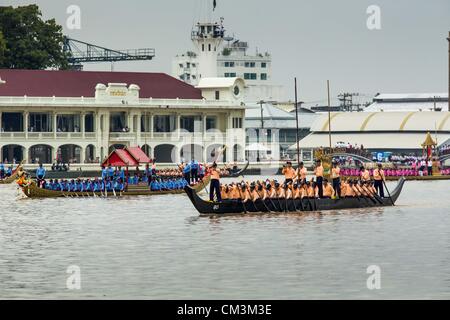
{"x": 273, "y": 204}
{"x": 262, "y": 200}
{"x": 389, "y": 194}
{"x": 204, "y": 187}
{"x": 243, "y": 204}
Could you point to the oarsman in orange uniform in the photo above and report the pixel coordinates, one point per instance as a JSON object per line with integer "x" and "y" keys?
{"x": 297, "y": 192}
{"x": 289, "y": 172}
{"x": 301, "y": 172}
{"x": 360, "y": 189}
{"x": 318, "y": 171}
{"x": 262, "y": 191}
{"x": 372, "y": 188}
{"x": 354, "y": 188}
{"x": 289, "y": 191}
{"x": 366, "y": 187}
{"x": 365, "y": 174}
{"x": 224, "y": 192}
{"x": 272, "y": 191}
{"x": 336, "y": 178}
{"x": 328, "y": 191}
{"x": 245, "y": 193}
{"x": 310, "y": 189}
{"x": 378, "y": 177}
{"x": 349, "y": 191}
{"x": 215, "y": 184}
{"x": 233, "y": 194}
{"x": 281, "y": 192}
{"x": 304, "y": 191}
{"x": 254, "y": 192}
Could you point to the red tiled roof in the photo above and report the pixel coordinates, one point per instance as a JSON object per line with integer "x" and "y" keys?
{"x": 120, "y": 158}
{"x": 138, "y": 154}
{"x": 48, "y": 83}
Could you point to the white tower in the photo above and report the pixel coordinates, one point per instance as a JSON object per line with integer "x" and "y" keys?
{"x": 207, "y": 38}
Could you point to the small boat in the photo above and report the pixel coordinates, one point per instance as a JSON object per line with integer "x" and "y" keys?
{"x": 237, "y": 173}
{"x": 408, "y": 178}
{"x": 9, "y": 179}
{"x": 229, "y": 207}
{"x": 12, "y": 177}
{"x": 33, "y": 191}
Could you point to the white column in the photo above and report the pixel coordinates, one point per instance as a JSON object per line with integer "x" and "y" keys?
{"x": 55, "y": 124}
{"x": 204, "y": 125}
{"x": 82, "y": 154}
{"x": 25, "y": 154}
{"x": 25, "y": 123}
{"x": 82, "y": 124}
{"x": 152, "y": 119}
{"x": 178, "y": 125}
{"x": 130, "y": 121}
{"x": 138, "y": 129}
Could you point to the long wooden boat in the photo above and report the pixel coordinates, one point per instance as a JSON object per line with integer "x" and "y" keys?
{"x": 10, "y": 179}
{"x": 14, "y": 175}
{"x": 408, "y": 178}
{"x": 33, "y": 191}
{"x": 228, "y": 207}
{"x": 239, "y": 172}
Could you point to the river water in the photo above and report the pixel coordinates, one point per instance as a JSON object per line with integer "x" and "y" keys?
{"x": 159, "y": 248}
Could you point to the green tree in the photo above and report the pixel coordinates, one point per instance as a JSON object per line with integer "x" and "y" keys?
{"x": 29, "y": 41}
{"x": 2, "y": 48}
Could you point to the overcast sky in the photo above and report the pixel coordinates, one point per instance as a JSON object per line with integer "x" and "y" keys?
{"x": 313, "y": 40}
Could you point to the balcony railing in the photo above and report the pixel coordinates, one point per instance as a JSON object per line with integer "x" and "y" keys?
{"x": 47, "y": 135}
{"x": 12, "y": 135}
{"x": 142, "y": 102}
{"x": 118, "y": 136}
{"x": 40, "y": 135}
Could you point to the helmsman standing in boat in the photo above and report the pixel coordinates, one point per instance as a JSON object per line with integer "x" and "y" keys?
{"x": 379, "y": 178}
{"x": 215, "y": 183}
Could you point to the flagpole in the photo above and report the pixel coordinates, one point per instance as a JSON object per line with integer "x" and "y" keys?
{"x": 329, "y": 113}
{"x": 296, "y": 121}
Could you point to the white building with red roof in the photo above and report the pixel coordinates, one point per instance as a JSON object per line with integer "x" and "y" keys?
{"x": 80, "y": 116}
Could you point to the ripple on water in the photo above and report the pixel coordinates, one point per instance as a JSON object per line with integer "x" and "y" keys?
{"x": 158, "y": 247}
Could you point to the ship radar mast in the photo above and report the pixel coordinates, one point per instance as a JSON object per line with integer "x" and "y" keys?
{"x": 207, "y": 38}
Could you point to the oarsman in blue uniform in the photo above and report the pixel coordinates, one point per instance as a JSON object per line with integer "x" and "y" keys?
{"x": 9, "y": 171}
{"x": 187, "y": 172}
{"x": 109, "y": 186}
{"x": 72, "y": 186}
{"x": 88, "y": 185}
{"x": 40, "y": 175}
{"x": 118, "y": 185}
{"x": 55, "y": 185}
{"x": 201, "y": 171}
{"x": 97, "y": 185}
{"x": 194, "y": 170}
{"x": 110, "y": 172}
{"x": 104, "y": 173}
{"x": 154, "y": 186}
{"x": 2, "y": 170}
{"x": 135, "y": 179}
{"x": 122, "y": 174}
{"x": 62, "y": 185}
{"x": 147, "y": 173}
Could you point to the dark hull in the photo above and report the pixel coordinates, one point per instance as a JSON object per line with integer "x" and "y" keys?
{"x": 282, "y": 205}
{"x": 240, "y": 172}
